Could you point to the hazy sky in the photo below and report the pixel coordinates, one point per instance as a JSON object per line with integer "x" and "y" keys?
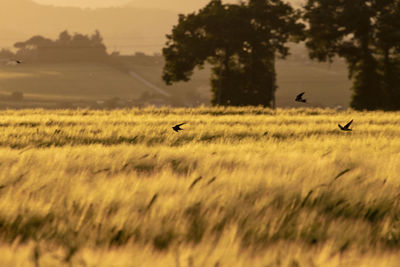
{"x": 84, "y": 3}
{"x": 177, "y": 5}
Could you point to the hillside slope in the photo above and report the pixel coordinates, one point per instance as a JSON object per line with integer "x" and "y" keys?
{"x": 325, "y": 86}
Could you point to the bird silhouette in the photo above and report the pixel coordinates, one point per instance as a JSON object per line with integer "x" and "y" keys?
{"x": 18, "y": 61}
{"x": 299, "y": 98}
{"x": 177, "y": 127}
{"x": 346, "y": 127}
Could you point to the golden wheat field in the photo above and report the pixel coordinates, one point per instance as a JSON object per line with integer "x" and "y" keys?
{"x": 237, "y": 187}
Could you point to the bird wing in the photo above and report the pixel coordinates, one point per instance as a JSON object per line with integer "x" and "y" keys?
{"x": 181, "y": 124}
{"x": 300, "y": 95}
{"x": 348, "y": 124}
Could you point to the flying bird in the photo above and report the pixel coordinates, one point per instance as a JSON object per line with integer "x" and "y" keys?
{"x": 177, "y": 127}
{"x": 346, "y": 127}
{"x": 18, "y": 61}
{"x": 299, "y": 98}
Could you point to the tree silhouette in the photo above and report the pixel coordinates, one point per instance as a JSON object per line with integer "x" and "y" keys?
{"x": 239, "y": 41}
{"x": 365, "y": 33}
{"x": 77, "y": 47}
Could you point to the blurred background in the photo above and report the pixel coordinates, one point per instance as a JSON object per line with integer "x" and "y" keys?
{"x": 107, "y": 54}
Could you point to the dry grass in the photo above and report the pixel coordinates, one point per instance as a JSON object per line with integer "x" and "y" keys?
{"x": 237, "y": 187}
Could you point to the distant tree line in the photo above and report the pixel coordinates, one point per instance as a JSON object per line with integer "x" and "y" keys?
{"x": 66, "y": 47}
{"x": 75, "y": 47}
{"x": 241, "y": 42}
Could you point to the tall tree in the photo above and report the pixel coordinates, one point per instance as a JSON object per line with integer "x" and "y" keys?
{"x": 240, "y": 42}
{"x": 362, "y": 32}
{"x": 388, "y": 44}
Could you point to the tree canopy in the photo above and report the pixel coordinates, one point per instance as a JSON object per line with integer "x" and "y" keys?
{"x": 77, "y": 47}
{"x": 367, "y": 34}
{"x": 240, "y": 41}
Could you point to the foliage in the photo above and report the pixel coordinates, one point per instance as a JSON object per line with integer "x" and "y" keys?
{"x": 366, "y": 34}
{"x": 77, "y": 47}
{"x": 238, "y": 186}
{"x": 240, "y": 41}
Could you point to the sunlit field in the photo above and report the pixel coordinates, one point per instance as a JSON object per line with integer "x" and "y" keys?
{"x": 237, "y": 187}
